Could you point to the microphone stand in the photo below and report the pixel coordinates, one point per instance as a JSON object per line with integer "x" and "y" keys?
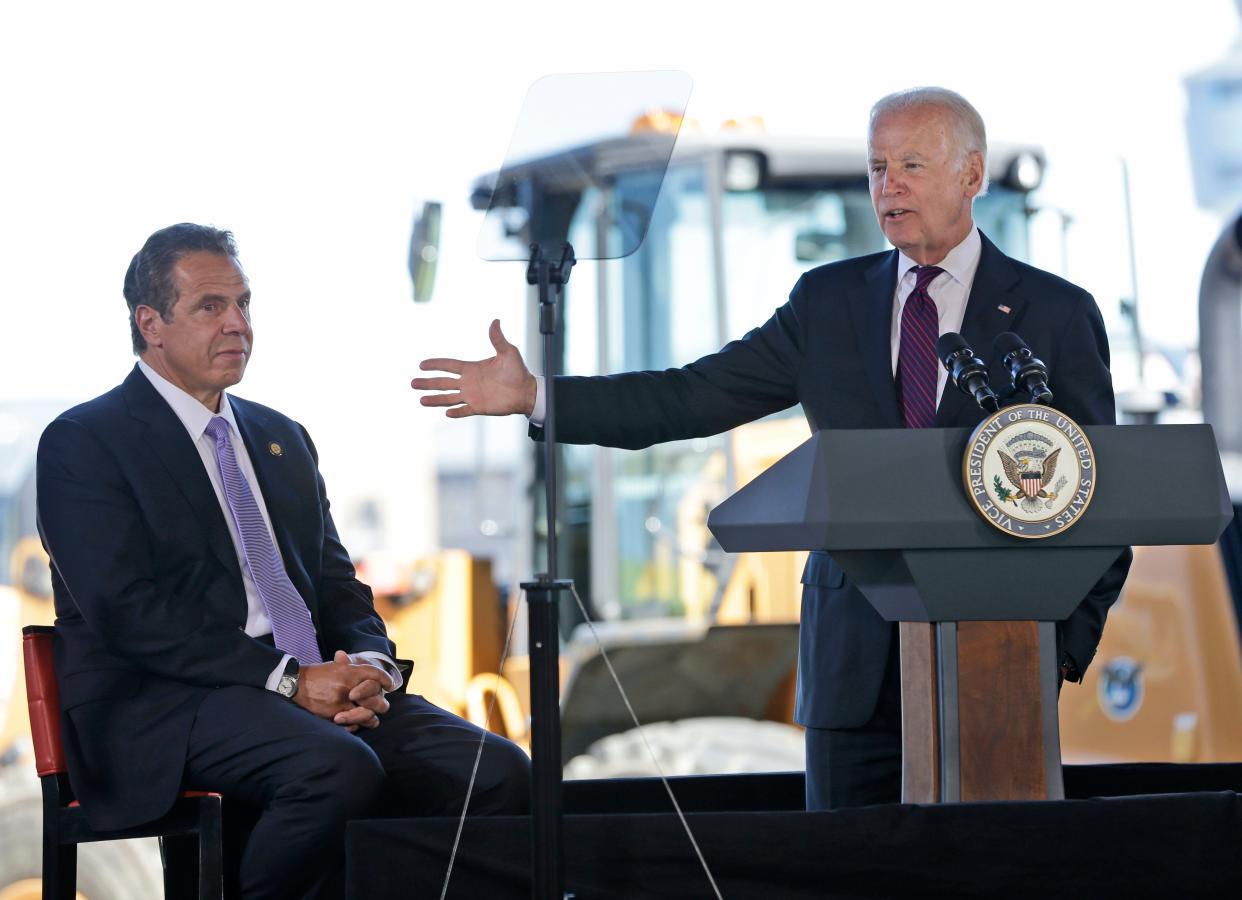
{"x": 542, "y": 597}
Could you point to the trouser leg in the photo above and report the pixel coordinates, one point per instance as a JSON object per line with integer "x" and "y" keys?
{"x": 859, "y": 766}
{"x": 429, "y": 755}
{"x": 304, "y": 776}
{"x": 291, "y": 781}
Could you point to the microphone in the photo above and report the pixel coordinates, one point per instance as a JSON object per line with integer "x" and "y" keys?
{"x": 966, "y": 370}
{"x": 1027, "y": 372}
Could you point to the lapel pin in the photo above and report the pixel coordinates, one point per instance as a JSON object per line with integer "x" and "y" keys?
{"x": 1005, "y": 309}
{"x": 274, "y": 449}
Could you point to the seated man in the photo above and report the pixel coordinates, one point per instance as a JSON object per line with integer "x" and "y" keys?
{"x": 210, "y": 630}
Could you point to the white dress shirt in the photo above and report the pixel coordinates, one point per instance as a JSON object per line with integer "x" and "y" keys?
{"x": 195, "y": 417}
{"x": 950, "y": 290}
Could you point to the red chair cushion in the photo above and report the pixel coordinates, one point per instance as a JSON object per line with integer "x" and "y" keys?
{"x": 43, "y": 700}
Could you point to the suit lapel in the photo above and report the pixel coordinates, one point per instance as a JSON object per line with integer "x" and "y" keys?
{"x": 872, "y": 313}
{"x": 166, "y": 436}
{"x": 992, "y": 289}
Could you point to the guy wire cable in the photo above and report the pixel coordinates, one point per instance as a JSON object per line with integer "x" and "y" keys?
{"x": 643, "y": 734}
{"x": 474, "y": 771}
{"x": 633, "y": 717}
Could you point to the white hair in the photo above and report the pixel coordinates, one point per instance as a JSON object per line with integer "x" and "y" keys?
{"x": 967, "y": 124}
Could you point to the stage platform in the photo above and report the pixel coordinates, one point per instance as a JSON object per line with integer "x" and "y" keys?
{"x": 1132, "y": 831}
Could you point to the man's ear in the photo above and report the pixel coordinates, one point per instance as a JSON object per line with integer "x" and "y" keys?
{"x": 150, "y": 325}
{"x": 973, "y": 171}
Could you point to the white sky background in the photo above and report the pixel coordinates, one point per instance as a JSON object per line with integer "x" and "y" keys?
{"x": 313, "y": 129}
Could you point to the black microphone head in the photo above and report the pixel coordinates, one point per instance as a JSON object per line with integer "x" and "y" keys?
{"x": 949, "y": 344}
{"x": 1007, "y": 342}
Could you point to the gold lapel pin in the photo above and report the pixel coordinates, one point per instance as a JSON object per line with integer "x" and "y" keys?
{"x": 274, "y": 449}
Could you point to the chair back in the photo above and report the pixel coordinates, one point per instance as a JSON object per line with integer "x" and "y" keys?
{"x": 43, "y": 699}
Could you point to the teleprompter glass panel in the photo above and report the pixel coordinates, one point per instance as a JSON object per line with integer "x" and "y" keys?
{"x": 577, "y": 133}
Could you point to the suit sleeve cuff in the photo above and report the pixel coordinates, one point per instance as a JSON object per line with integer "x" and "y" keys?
{"x": 538, "y": 414}
{"x": 383, "y": 662}
{"x": 274, "y": 679}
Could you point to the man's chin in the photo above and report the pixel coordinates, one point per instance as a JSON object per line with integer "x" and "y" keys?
{"x": 899, "y": 235}
{"x": 903, "y": 242}
{"x": 232, "y": 375}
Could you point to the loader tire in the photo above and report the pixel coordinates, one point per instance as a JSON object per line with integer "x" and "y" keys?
{"x": 109, "y": 870}
{"x": 694, "y": 747}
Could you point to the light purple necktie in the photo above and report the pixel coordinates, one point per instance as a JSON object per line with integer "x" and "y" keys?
{"x": 917, "y": 364}
{"x": 292, "y": 628}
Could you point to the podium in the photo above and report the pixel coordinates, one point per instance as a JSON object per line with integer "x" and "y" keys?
{"x": 977, "y": 608}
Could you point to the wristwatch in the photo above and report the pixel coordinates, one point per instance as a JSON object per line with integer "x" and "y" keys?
{"x": 288, "y": 684}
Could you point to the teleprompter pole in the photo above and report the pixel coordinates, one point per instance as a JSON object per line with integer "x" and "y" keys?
{"x": 542, "y": 598}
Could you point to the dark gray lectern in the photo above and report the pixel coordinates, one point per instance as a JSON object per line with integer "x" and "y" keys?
{"x": 977, "y": 607}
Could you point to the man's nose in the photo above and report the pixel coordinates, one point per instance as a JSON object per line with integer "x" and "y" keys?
{"x": 235, "y": 321}
{"x": 891, "y": 183}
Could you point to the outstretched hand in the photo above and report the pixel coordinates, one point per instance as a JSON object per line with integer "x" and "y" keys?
{"x": 498, "y": 386}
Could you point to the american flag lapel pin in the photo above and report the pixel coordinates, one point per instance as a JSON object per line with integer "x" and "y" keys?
{"x": 1005, "y": 309}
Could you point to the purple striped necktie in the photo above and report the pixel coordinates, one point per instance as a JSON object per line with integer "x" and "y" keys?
{"x": 292, "y": 628}
{"x": 917, "y": 364}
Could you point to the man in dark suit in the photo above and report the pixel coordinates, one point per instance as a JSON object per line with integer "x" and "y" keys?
{"x": 854, "y": 346}
{"x": 210, "y": 631}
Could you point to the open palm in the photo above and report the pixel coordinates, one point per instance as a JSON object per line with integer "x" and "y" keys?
{"x": 498, "y": 386}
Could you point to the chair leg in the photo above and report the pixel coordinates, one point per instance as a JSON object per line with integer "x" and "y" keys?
{"x": 210, "y": 850}
{"x": 60, "y": 869}
{"x": 60, "y": 861}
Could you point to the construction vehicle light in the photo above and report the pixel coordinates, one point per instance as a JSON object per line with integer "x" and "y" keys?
{"x": 745, "y": 125}
{"x": 1025, "y": 172}
{"x": 657, "y": 121}
{"x": 743, "y": 170}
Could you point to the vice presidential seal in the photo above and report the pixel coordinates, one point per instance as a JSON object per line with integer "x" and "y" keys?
{"x": 1029, "y": 471}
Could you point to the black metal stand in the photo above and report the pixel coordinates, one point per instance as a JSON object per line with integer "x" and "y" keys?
{"x": 542, "y": 597}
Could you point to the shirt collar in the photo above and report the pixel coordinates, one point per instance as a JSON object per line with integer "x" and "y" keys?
{"x": 193, "y": 415}
{"x": 960, "y": 262}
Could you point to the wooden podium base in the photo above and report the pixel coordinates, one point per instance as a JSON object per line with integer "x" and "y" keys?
{"x": 979, "y": 712}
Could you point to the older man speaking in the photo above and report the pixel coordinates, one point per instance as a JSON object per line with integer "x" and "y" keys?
{"x": 854, "y": 346}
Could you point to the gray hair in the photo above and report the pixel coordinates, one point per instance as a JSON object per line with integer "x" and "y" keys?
{"x": 966, "y": 122}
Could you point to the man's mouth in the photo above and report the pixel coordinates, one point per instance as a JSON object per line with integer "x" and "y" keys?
{"x": 895, "y": 214}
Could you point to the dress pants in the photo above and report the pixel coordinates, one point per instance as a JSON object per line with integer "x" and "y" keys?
{"x": 291, "y": 781}
{"x": 859, "y": 766}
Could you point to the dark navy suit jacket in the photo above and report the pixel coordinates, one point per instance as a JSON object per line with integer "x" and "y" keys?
{"x": 150, "y": 608}
{"x": 829, "y": 349}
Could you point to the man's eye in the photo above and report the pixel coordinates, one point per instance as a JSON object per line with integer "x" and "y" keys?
{"x": 208, "y": 307}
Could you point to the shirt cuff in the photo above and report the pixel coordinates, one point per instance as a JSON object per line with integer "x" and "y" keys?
{"x": 274, "y": 679}
{"x": 538, "y": 414}
{"x": 383, "y": 662}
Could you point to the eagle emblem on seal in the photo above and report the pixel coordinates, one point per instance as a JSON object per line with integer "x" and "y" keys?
{"x": 1029, "y": 466}
{"x": 1011, "y": 474}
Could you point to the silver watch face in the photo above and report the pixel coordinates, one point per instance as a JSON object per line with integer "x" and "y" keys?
{"x": 287, "y": 686}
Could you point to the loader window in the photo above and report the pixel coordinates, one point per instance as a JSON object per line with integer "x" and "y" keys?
{"x": 8, "y": 536}
{"x": 773, "y": 236}
{"x": 654, "y": 309}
